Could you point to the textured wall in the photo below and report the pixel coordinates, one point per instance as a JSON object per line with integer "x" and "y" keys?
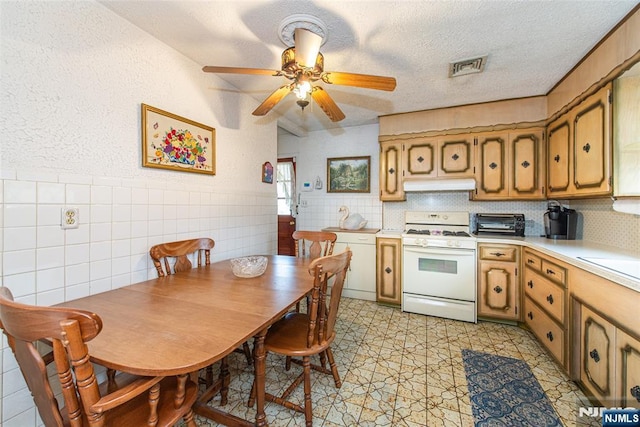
{"x": 73, "y": 78}
{"x": 311, "y": 154}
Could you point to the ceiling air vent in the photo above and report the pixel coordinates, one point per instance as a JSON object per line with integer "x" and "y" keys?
{"x": 467, "y": 66}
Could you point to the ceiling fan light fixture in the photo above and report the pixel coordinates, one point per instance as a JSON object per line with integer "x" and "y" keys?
{"x": 302, "y": 103}
{"x": 302, "y": 89}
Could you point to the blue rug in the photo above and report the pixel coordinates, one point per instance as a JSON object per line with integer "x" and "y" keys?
{"x": 504, "y": 392}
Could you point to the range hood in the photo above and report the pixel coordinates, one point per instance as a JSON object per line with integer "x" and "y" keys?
{"x": 447, "y": 184}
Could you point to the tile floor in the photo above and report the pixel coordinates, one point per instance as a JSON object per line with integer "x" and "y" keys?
{"x": 400, "y": 369}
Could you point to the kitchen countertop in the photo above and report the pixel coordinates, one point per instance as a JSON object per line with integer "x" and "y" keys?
{"x": 570, "y": 251}
{"x": 342, "y": 230}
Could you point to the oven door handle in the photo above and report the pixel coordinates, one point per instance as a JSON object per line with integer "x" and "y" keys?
{"x": 438, "y": 251}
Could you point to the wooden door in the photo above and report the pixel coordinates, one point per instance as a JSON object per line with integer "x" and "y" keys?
{"x": 526, "y": 177}
{"x": 286, "y": 183}
{"x": 592, "y": 145}
{"x": 558, "y": 140}
{"x": 598, "y": 344}
{"x": 628, "y": 370}
{"x": 391, "y": 171}
{"x": 420, "y": 158}
{"x": 455, "y": 156}
{"x": 491, "y": 166}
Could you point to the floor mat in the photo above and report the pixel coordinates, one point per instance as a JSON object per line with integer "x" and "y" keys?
{"x": 504, "y": 392}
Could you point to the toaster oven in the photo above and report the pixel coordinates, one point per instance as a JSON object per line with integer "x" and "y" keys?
{"x": 501, "y": 224}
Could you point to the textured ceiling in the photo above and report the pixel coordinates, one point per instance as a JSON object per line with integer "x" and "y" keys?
{"x": 530, "y": 45}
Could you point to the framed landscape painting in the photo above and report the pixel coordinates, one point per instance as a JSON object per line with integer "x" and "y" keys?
{"x": 349, "y": 174}
{"x": 173, "y": 142}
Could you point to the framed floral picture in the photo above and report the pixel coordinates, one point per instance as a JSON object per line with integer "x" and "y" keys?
{"x": 173, "y": 142}
{"x": 349, "y": 174}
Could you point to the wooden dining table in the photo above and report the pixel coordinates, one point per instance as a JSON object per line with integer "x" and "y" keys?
{"x": 180, "y": 323}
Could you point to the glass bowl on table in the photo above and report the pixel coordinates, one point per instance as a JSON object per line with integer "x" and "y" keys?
{"x": 248, "y": 266}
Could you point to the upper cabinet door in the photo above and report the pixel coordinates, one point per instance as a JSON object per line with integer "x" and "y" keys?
{"x": 455, "y": 156}
{"x": 391, "y": 171}
{"x": 527, "y": 167}
{"x": 420, "y": 158}
{"x": 491, "y": 164}
{"x": 592, "y": 144}
{"x": 558, "y": 141}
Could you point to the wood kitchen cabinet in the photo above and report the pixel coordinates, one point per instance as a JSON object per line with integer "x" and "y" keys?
{"x": 388, "y": 270}
{"x": 498, "y": 281}
{"x": 579, "y": 149}
{"x": 391, "y": 172}
{"x": 509, "y": 165}
{"x": 449, "y": 156}
{"x": 606, "y": 339}
{"x": 545, "y": 302}
{"x": 361, "y": 277}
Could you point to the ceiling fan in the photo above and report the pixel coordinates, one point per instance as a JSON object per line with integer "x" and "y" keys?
{"x": 303, "y": 64}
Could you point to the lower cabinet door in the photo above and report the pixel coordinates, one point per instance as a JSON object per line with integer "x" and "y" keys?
{"x": 497, "y": 293}
{"x": 628, "y": 369}
{"x": 598, "y": 344}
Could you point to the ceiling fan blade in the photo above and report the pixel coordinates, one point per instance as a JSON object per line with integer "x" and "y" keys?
{"x": 272, "y": 100}
{"x": 238, "y": 70}
{"x": 326, "y": 103}
{"x": 359, "y": 80}
{"x": 307, "y": 47}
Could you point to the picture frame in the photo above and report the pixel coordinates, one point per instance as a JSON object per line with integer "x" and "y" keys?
{"x": 349, "y": 174}
{"x": 267, "y": 173}
{"x": 176, "y": 143}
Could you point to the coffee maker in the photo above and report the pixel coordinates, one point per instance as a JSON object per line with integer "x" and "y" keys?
{"x": 559, "y": 222}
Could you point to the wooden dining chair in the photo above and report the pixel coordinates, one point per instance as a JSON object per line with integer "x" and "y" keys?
{"x": 125, "y": 400}
{"x": 302, "y": 335}
{"x": 173, "y": 257}
{"x": 313, "y": 244}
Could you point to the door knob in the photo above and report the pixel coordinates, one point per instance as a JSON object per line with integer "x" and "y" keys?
{"x": 292, "y": 223}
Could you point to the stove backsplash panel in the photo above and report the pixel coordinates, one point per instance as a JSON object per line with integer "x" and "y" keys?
{"x": 600, "y": 223}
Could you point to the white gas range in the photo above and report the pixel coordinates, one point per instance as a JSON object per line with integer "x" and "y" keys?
{"x": 439, "y": 265}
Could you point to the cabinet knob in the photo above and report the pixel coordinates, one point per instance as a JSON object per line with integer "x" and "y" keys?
{"x": 420, "y": 159}
{"x": 530, "y": 261}
{"x": 455, "y": 157}
{"x": 530, "y": 284}
{"x": 557, "y": 158}
{"x": 498, "y": 254}
{"x": 388, "y": 270}
{"x": 550, "y": 336}
{"x": 635, "y": 392}
{"x": 525, "y": 164}
{"x": 586, "y": 147}
{"x": 594, "y": 355}
{"x": 549, "y": 271}
{"x": 392, "y": 171}
{"x": 550, "y": 299}
{"x": 497, "y": 289}
{"x": 492, "y": 165}
{"x": 530, "y": 315}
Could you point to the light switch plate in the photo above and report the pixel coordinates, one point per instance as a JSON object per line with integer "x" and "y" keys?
{"x": 69, "y": 218}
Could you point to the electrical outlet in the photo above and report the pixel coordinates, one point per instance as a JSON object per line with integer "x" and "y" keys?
{"x": 69, "y": 218}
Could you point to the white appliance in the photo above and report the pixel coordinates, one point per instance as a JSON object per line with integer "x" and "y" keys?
{"x": 439, "y": 265}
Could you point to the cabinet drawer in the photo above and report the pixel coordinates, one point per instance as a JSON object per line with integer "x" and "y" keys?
{"x": 554, "y": 273}
{"x": 361, "y": 238}
{"x": 546, "y": 294}
{"x": 533, "y": 261}
{"x": 548, "y": 332}
{"x": 498, "y": 253}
